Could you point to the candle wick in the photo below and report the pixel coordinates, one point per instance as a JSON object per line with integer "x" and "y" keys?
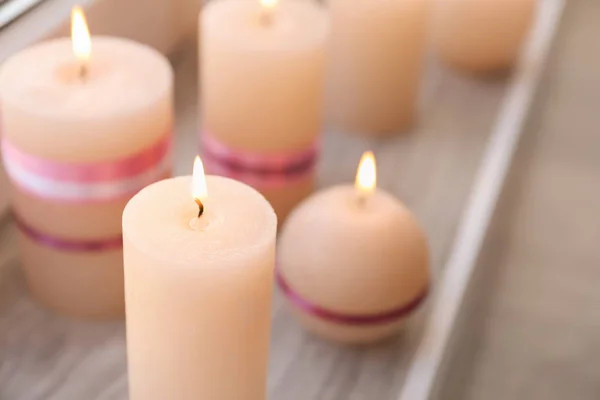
{"x": 83, "y": 71}
{"x": 361, "y": 200}
{"x": 266, "y": 17}
{"x": 200, "y": 207}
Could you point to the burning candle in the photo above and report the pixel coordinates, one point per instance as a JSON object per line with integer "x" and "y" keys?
{"x": 4, "y": 191}
{"x": 83, "y": 130}
{"x": 353, "y": 261}
{"x": 262, "y": 88}
{"x": 198, "y": 285}
{"x": 481, "y": 36}
{"x": 375, "y": 64}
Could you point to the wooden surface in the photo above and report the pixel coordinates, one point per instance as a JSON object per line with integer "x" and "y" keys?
{"x": 43, "y": 356}
{"x": 531, "y": 329}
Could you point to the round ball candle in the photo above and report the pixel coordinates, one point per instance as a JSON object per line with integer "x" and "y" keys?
{"x": 198, "y": 286}
{"x": 481, "y": 36}
{"x": 375, "y": 64}
{"x": 83, "y": 130}
{"x": 353, "y": 261}
{"x": 262, "y": 75}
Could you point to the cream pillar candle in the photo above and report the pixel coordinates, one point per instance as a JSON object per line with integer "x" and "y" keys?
{"x": 4, "y": 191}
{"x": 198, "y": 290}
{"x": 375, "y": 64}
{"x": 481, "y": 36}
{"x": 261, "y": 99}
{"x": 353, "y": 261}
{"x": 79, "y": 138}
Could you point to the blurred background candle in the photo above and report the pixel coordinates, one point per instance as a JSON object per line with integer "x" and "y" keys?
{"x": 481, "y": 36}
{"x": 85, "y": 125}
{"x": 375, "y": 64}
{"x": 261, "y": 97}
{"x": 198, "y": 289}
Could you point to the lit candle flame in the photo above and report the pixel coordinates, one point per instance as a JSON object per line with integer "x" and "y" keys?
{"x": 199, "y": 190}
{"x": 80, "y": 37}
{"x": 269, "y": 4}
{"x": 366, "y": 176}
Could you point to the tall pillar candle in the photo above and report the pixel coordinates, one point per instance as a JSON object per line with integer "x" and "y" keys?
{"x": 4, "y": 191}
{"x": 375, "y": 64}
{"x": 198, "y": 290}
{"x": 481, "y": 36}
{"x": 79, "y": 138}
{"x": 262, "y": 87}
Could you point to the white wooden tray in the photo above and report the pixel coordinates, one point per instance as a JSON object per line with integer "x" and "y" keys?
{"x": 529, "y": 328}
{"x": 450, "y": 171}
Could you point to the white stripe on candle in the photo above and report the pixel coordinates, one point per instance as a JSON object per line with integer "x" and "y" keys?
{"x": 80, "y": 191}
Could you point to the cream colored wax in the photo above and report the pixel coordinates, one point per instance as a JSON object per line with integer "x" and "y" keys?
{"x": 481, "y": 35}
{"x": 198, "y": 291}
{"x": 375, "y": 64}
{"x": 262, "y": 86}
{"x": 4, "y": 191}
{"x": 353, "y": 263}
{"x": 121, "y": 107}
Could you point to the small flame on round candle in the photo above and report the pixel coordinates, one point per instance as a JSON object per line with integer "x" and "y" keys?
{"x": 366, "y": 175}
{"x": 267, "y": 9}
{"x": 80, "y": 39}
{"x": 199, "y": 190}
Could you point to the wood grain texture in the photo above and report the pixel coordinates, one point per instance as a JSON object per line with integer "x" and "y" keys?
{"x": 43, "y": 356}
{"x": 531, "y": 328}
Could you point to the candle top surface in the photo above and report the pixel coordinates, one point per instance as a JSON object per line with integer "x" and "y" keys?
{"x": 122, "y": 76}
{"x": 353, "y": 208}
{"x": 247, "y": 25}
{"x": 161, "y": 220}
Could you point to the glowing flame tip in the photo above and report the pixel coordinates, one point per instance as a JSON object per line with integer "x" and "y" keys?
{"x": 199, "y": 190}
{"x": 80, "y": 35}
{"x": 268, "y": 4}
{"x": 366, "y": 176}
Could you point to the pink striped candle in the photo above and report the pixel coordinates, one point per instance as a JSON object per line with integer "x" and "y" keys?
{"x": 353, "y": 262}
{"x": 4, "y": 195}
{"x": 80, "y": 137}
{"x": 262, "y": 89}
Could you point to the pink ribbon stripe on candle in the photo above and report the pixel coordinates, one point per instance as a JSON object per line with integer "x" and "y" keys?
{"x": 69, "y": 245}
{"x": 385, "y": 317}
{"x": 87, "y": 182}
{"x": 258, "y": 169}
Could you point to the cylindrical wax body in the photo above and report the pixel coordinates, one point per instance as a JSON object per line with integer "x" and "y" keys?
{"x": 76, "y": 148}
{"x": 375, "y": 64}
{"x": 262, "y": 94}
{"x": 4, "y": 191}
{"x": 198, "y": 291}
{"x": 483, "y": 35}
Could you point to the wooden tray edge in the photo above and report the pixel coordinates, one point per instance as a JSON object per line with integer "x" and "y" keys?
{"x": 429, "y": 362}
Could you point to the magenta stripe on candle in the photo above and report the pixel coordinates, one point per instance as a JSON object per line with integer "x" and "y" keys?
{"x": 215, "y": 167}
{"x": 69, "y": 245}
{"x": 258, "y": 169}
{"x": 88, "y": 172}
{"x": 349, "y": 319}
